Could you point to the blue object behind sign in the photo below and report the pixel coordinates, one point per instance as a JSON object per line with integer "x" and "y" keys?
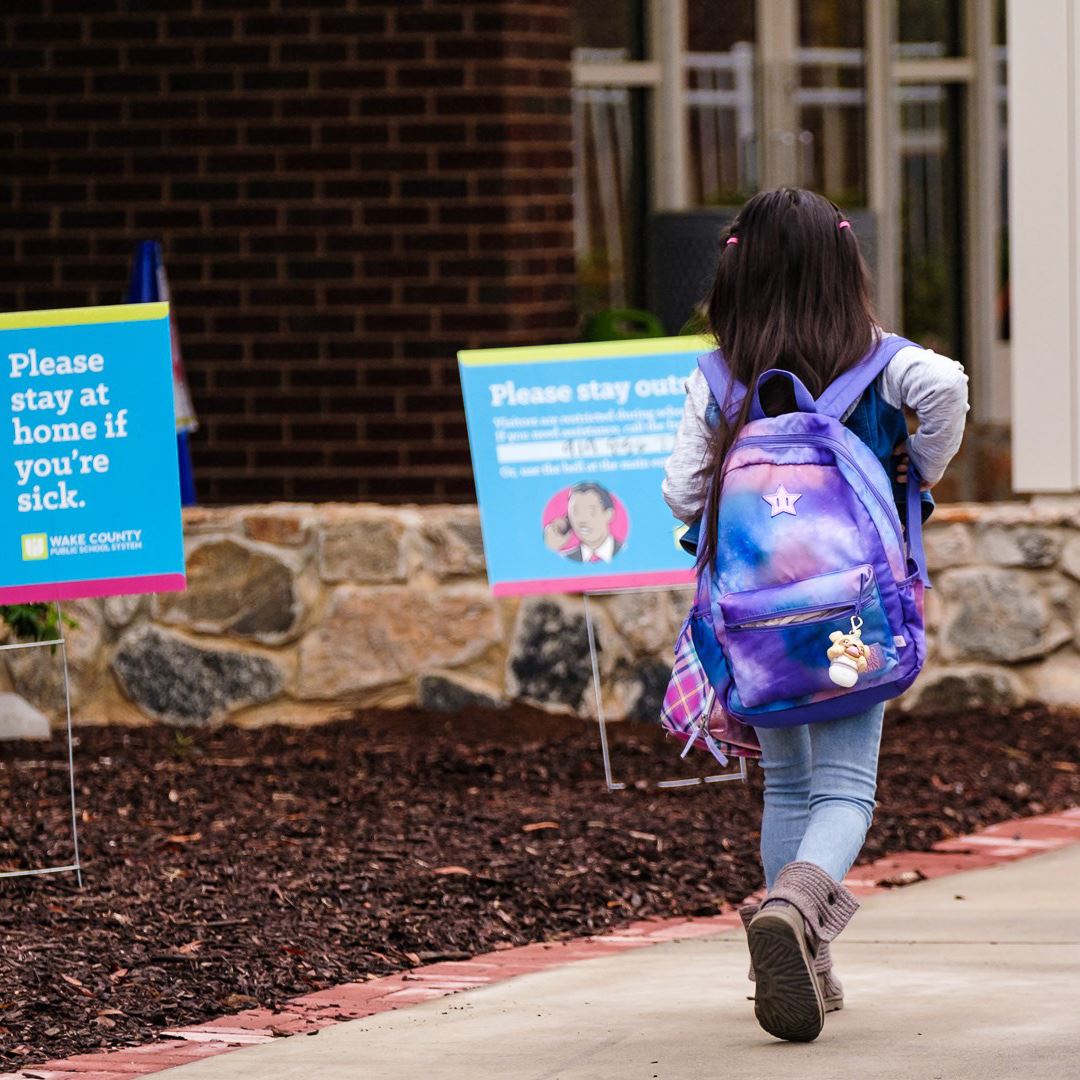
{"x": 149, "y": 284}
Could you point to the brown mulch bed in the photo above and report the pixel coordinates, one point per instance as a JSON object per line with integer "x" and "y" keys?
{"x": 232, "y": 868}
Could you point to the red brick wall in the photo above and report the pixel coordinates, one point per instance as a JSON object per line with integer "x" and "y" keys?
{"x": 347, "y": 193}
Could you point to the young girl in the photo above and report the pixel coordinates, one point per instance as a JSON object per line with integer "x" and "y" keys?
{"x": 791, "y": 291}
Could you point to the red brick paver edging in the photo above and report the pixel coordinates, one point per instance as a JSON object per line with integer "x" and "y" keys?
{"x": 305, "y": 1015}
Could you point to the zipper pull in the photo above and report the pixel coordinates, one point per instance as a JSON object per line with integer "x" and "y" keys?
{"x": 695, "y": 735}
{"x": 714, "y": 748}
{"x": 702, "y": 724}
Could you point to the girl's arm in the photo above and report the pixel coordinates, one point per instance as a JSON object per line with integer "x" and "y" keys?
{"x": 682, "y": 486}
{"x": 936, "y": 388}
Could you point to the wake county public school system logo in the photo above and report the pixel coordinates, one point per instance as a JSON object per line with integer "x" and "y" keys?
{"x": 37, "y": 546}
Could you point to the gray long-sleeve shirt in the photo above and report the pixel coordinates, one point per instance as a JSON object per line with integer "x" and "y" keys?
{"x": 934, "y": 386}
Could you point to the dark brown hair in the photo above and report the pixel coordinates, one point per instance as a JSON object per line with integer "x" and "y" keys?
{"x": 792, "y": 292}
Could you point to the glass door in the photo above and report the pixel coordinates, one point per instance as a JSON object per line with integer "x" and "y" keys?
{"x": 775, "y": 94}
{"x": 895, "y": 109}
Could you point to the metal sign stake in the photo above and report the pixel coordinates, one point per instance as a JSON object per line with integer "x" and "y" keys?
{"x": 76, "y": 865}
{"x": 612, "y": 785}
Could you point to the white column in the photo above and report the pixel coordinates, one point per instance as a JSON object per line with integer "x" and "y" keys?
{"x": 989, "y": 358}
{"x": 670, "y": 139}
{"x": 1044, "y": 210}
{"x": 778, "y": 42}
{"x": 882, "y": 158}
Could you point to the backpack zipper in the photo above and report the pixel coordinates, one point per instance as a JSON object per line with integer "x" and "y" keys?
{"x": 783, "y": 618}
{"x": 771, "y": 620}
{"x": 699, "y": 729}
{"x": 864, "y": 580}
{"x": 701, "y": 732}
{"x": 839, "y": 449}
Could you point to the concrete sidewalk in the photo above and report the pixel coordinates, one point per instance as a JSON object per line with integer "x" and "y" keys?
{"x": 975, "y": 975}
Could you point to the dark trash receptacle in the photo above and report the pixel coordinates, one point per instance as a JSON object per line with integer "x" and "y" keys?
{"x": 682, "y": 247}
{"x": 682, "y": 259}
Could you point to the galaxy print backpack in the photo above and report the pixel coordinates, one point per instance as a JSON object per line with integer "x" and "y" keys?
{"x": 813, "y": 607}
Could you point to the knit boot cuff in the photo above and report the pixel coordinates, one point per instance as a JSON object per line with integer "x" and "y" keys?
{"x": 825, "y": 904}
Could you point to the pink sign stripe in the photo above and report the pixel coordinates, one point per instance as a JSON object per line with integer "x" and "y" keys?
{"x": 595, "y": 583}
{"x": 79, "y": 590}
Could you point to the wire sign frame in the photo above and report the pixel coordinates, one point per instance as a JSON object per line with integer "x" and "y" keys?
{"x": 60, "y": 641}
{"x": 612, "y": 784}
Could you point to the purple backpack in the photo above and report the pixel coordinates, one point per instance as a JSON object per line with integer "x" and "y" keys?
{"x": 813, "y": 607}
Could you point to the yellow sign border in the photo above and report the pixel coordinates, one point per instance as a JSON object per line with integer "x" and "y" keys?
{"x": 85, "y": 316}
{"x": 588, "y": 350}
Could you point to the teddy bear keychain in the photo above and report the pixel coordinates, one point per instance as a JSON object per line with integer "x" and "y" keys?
{"x": 849, "y": 655}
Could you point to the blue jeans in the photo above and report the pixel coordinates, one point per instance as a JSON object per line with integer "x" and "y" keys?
{"x": 820, "y": 781}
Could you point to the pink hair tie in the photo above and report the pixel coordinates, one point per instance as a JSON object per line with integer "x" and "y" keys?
{"x": 731, "y": 240}
{"x": 844, "y": 225}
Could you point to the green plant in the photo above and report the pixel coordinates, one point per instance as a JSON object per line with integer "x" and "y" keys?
{"x": 183, "y": 746}
{"x": 34, "y": 622}
{"x": 622, "y": 324}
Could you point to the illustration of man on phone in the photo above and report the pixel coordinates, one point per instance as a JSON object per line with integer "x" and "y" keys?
{"x": 589, "y": 512}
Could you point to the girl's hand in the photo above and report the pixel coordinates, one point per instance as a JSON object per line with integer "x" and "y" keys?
{"x": 902, "y": 465}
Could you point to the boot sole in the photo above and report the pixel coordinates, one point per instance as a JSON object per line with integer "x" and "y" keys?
{"x": 831, "y": 1004}
{"x": 788, "y": 1001}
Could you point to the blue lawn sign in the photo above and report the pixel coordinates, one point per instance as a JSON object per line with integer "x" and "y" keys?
{"x": 89, "y": 485}
{"x": 568, "y": 448}
{"x": 148, "y": 285}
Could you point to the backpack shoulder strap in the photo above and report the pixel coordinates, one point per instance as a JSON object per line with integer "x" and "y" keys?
{"x": 914, "y": 524}
{"x": 727, "y": 391}
{"x": 843, "y": 392}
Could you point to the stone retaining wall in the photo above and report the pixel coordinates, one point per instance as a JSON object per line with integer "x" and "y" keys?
{"x": 299, "y": 613}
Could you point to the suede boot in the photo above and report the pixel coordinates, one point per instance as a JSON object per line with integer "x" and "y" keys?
{"x": 832, "y": 990}
{"x": 804, "y": 910}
